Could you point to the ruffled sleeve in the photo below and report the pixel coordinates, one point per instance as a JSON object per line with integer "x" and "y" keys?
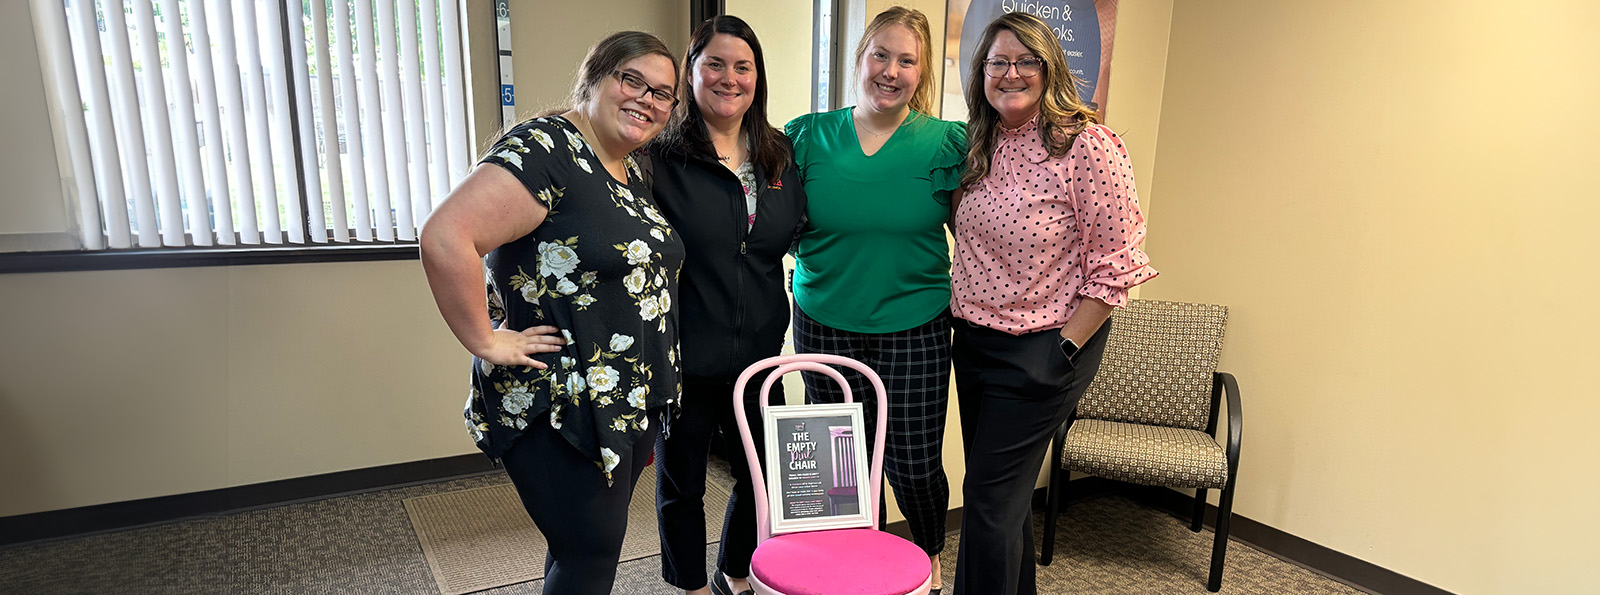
{"x": 798, "y": 130}
{"x": 949, "y": 160}
{"x": 1109, "y": 220}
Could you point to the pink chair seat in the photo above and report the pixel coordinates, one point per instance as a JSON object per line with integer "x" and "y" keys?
{"x": 839, "y": 562}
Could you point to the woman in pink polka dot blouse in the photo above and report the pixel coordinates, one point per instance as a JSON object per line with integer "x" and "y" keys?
{"x": 1047, "y": 243}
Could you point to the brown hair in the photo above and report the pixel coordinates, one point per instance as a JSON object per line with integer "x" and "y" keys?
{"x": 922, "y": 96}
{"x": 603, "y": 59}
{"x": 611, "y": 53}
{"x": 687, "y": 131}
{"x": 1062, "y": 114}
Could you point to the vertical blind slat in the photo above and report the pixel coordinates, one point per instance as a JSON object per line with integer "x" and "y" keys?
{"x": 130, "y": 129}
{"x": 455, "y": 99}
{"x": 310, "y": 173}
{"x": 230, "y": 77}
{"x": 372, "y": 122}
{"x": 66, "y": 106}
{"x": 279, "y": 105}
{"x": 433, "y": 100}
{"x": 159, "y": 139}
{"x": 84, "y": 25}
{"x": 394, "y": 120}
{"x": 415, "y": 120}
{"x": 200, "y": 116}
{"x": 216, "y": 155}
{"x": 185, "y": 138}
{"x": 338, "y": 222}
{"x": 258, "y": 128}
{"x": 349, "y": 104}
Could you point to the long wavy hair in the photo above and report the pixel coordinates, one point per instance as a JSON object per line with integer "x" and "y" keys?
{"x": 687, "y": 129}
{"x": 1062, "y": 113}
{"x": 913, "y": 19}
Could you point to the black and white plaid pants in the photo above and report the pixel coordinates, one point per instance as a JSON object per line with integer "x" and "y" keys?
{"x": 914, "y": 365}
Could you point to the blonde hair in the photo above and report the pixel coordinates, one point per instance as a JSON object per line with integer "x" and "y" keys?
{"x": 922, "y": 96}
{"x": 1062, "y": 114}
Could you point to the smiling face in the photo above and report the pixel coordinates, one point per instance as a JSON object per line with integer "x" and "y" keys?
{"x": 1015, "y": 97}
{"x": 889, "y": 70}
{"x": 629, "y": 117}
{"x": 724, "y": 79}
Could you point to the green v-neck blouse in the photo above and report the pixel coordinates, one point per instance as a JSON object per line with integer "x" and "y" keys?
{"x": 873, "y": 256}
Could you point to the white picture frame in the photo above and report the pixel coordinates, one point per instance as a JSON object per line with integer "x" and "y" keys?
{"x": 816, "y": 481}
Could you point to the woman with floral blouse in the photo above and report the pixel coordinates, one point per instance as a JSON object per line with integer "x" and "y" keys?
{"x": 1047, "y": 242}
{"x": 575, "y": 242}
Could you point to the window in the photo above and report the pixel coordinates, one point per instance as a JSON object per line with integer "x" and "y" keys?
{"x": 215, "y": 122}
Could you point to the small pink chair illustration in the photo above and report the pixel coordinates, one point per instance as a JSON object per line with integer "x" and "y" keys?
{"x": 844, "y": 467}
{"x": 857, "y": 560}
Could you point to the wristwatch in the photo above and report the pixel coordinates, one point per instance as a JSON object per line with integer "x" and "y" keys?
{"x": 1069, "y": 348}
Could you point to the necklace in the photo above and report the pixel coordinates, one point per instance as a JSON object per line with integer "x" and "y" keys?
{"x": 862, "y": 124}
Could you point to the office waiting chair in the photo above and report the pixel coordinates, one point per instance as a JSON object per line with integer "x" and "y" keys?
{"x": 858, "y": 560}
{"x": 1148, "y": 418}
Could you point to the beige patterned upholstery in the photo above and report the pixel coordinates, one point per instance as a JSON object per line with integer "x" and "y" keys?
{"x": 1150, "y": 455}
{"x": 1158, "y": 364}
{"x": 1150, "y": 416}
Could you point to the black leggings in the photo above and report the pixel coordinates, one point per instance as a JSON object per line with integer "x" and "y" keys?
{"x": 681, "y": 481}
{"x": 582, "y": 519}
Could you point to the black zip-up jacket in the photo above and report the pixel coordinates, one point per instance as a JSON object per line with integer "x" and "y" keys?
{"x": 731, "y": 304}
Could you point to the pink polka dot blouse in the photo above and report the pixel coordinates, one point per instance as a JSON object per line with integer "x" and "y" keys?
{"x": 1037, "y": 235}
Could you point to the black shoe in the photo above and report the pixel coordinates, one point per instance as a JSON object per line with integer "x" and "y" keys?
{"x": 719, "y": 586}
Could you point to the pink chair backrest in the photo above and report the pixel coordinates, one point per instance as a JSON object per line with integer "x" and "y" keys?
{"x": 814, "y": 362}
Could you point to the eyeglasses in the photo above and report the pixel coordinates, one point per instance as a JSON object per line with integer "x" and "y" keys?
{"x": 637, "y": 85}
{"x": 1026, "y": 67}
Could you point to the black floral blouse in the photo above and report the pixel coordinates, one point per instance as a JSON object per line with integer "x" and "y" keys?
{"x": 603, "y": 267}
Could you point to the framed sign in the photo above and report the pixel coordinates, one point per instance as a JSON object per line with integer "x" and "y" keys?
{"x": 817, "y": 467}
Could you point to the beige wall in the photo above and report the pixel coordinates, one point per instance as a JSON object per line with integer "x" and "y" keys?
{"x": 784, "y": 29}
{"x": 1396, "y": 201}
{"x": 28, "y": 156}
{"x": 118, "y": 385}
{"x": 548, "y": 40}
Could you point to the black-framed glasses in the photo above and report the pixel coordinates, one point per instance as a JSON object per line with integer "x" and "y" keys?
{"x": 1026, "y": 67}
{"x": 635, "y": 84}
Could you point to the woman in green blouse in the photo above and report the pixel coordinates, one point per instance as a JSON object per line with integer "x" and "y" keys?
{"x": 872, "y": 275}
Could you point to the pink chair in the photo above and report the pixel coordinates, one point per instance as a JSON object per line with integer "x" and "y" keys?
{"x": 851, "y": 561}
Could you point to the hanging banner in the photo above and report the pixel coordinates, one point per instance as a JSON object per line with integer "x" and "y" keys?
{"x": 1085, "y": 29}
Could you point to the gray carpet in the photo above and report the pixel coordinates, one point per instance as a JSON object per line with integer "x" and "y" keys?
{"x": 365, "y": 544}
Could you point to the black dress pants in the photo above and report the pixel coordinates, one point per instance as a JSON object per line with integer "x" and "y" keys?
{"x": 582, "y": 519}
{"x": 681, "y": 456}
{"x": 1015, "y": 391}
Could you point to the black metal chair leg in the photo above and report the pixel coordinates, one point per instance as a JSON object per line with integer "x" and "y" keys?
{"x": 1219, "y": 548}
{"x": 1057, "y": 491}
{"x": 1199, "y": 515}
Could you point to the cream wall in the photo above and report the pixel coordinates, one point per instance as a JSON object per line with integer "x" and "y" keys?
{"x": 27, "y": 158}
{"x": 784, "y": 29}
{"x": 548, "y": 40}
{"x": 1396, "y": 202}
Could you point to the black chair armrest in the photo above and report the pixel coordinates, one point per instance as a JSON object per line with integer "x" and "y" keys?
{"x": 1235, "y": 419}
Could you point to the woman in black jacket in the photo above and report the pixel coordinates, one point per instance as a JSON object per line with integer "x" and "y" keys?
{"x": 726, "y": 181}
